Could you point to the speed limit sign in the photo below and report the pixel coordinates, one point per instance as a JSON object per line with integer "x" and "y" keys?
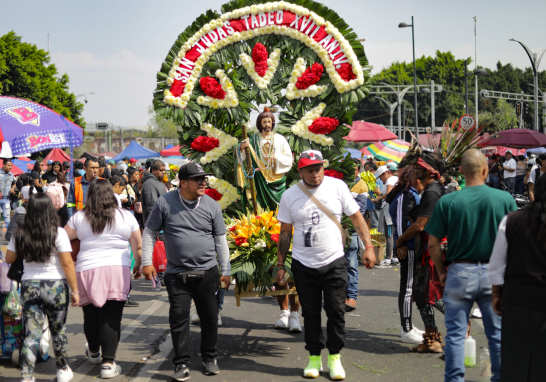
{"x": 467, "y": 122}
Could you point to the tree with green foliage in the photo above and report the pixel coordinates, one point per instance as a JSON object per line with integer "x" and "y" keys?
{"x": 498, "y": 115}
{"x": 26, "y": 72}
{"x": 160, "y": 127}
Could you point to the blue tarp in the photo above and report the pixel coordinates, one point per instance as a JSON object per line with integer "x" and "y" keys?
{"x": 538, "y": 150}
{"x": 22, "y": 164}
{"x": 354, "y": 153}
{"x": 134, "y": 150}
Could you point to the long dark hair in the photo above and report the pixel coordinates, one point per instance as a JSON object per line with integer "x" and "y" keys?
{"x": 537, "y": 208}
{"x": 35, "y": 238}
{"x": 100, "y": 209}
{"x": 405, "y": 180}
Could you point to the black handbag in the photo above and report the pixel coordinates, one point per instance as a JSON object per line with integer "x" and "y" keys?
{"x": 16, "y": 270}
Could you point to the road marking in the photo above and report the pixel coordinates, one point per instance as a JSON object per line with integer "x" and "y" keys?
{"x": 84, "y": 370}
{"x": 153, "y": 363}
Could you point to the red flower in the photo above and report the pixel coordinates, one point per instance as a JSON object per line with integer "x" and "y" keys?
{"x": 310, "y": 77}
{"x": 205, "y": 144}
{"x": 323, "y": 125}
{"x": 213, "y": 194}
{"x": 240, "y": 241}
{"x": 333, "y": 174}
{"x": 259, "y": 56}
{"x": 275, "y": 237}
{"x": 346, "y": 72}
{"x": 212, "y": 88}
{"x": 232, "y": 229}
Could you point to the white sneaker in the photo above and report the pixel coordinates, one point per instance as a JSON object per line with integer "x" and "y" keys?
{"x": 477, "y": 313}
{"x": 219, "y": 320}
{"x": 64, "y": 375}
{"x": 195, "y": 320}
{"x": 395, "y": 261}
{"x": 107, "y": 371}
{"x": 294, "y": 322}
{"x": 411, "y": 337}
{"x": 416, "y": 329}
{"x": 384, "y": 263}
{"x": 93, "y": 358}
{"x": 283, "y": 320}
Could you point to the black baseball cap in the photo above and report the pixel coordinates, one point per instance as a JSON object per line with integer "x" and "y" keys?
{"x": 191, "y": 170}
{"x": 126, "y": 158}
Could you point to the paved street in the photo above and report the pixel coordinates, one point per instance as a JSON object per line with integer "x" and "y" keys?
{"x": 250, "y": 349}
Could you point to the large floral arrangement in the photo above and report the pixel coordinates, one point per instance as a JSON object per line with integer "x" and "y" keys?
{"x": 205, "y": 144}
{"x": 221, "y": 191}
{"x": 253, "y": 241}
{"x": 297, "y": 54}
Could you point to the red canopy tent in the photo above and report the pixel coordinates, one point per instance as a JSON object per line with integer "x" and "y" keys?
{"x": 14, "y": 169}
{"x": 172, "y": 152}
{"x": 56, "y": 155}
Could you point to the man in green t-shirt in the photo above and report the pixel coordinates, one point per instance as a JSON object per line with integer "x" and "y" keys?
{"x": 469, "y": 218}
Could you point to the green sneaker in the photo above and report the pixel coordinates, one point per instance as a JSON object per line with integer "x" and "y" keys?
{"x": 314, "y": 367}
{"x": 336, "y": 370}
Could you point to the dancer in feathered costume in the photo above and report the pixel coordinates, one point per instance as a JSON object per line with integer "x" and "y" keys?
{"x": 428, "y": 165}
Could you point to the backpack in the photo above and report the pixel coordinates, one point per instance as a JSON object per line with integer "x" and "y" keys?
{"x": 56, "y": 193}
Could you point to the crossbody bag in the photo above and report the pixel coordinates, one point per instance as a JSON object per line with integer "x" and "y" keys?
{"x": 345, "y": 236}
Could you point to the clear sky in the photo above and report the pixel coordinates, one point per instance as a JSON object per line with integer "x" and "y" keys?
{"x": 114, "y": 48}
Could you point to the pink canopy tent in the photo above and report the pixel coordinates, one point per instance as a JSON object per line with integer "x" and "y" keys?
{"x": 362, "y": 131}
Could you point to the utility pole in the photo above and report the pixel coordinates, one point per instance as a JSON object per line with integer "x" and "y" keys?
{"x": 476, "y": 62}
{"x": 466, "y": 86}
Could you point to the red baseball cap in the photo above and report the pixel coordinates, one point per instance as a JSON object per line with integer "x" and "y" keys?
{"x": 132, "y": 160}
{"x": 310, "y": 157}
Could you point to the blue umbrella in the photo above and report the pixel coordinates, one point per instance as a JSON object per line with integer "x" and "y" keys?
{"x": 538, "y": 150}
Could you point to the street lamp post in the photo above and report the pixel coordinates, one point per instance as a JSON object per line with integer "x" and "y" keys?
{"x": 535, "y": 62}
{"x": 477, "y": 72}
{"x": 391, "y": 106}
{"x": 84, "y": 95}
{"x": 404, "y": 25}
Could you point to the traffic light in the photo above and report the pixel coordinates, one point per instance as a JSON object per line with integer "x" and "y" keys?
{"x": 523, "y": 108}
{"x": 518, "y": 108}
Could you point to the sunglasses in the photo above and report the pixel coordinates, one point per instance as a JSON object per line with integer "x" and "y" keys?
{"x": 200, "y": 179}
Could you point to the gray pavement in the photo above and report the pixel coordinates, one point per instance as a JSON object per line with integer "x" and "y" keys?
{"x": 250, "y": 349}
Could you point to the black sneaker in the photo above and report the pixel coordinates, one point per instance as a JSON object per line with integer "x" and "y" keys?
{"x": 130, "y": 303}
{"x": 211, "y": 366}
{"x": 181, "y": 373}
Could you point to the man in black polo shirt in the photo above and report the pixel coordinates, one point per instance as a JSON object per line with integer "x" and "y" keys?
{"x": 426, "y": 173}
{"x": 195, "y": 233}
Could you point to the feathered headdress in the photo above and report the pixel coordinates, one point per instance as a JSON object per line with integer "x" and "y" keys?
{"x": 447, "y": 153}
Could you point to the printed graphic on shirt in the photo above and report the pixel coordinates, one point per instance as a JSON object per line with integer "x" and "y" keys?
{"x": 311, "y": 225}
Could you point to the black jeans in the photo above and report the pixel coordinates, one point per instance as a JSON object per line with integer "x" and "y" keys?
{"x": 204, "y": 293}
{"x": 102, "y": 327}
{"x": 311, "y": 283}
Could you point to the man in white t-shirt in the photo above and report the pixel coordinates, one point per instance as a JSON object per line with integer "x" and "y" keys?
{"x": 510, "y": 172}
{"x": 536, "y": 172}
{"x": 318, "y": 262}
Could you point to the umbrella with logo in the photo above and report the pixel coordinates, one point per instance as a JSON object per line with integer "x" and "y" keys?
{"x": 394, "y": 149}
{"x": 27, "y": 127}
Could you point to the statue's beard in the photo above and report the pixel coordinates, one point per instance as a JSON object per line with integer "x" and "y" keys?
{"x": 267, "y": 129}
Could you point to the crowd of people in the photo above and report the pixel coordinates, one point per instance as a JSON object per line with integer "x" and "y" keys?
{"x": 457, "y": 239}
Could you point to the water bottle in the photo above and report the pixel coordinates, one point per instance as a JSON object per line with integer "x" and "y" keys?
{"x": 470, "y": 352}
{"x": 485, "y": 366}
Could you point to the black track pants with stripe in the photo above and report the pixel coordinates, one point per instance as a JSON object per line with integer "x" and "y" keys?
{"x": 405, "y": 297}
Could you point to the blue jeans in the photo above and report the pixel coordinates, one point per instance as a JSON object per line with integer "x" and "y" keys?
{"x": 6, "y": 210}
{"x": 510, "y": 184}
{"x": 465, "y": 284}
{"x": 351, "y": 255}
{"x": 494, "y": 178}
{"x": 519, "y": 184}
